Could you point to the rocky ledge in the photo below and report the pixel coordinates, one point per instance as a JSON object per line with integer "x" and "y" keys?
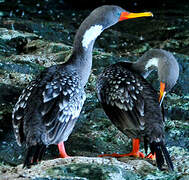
{"x": 88, "y": 168}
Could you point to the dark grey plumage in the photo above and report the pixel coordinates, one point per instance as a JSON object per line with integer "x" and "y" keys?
{"x": 56, "y": 97}
{"x": 48, "y": 108}
{"x": 129, "y": 100}
{"x": 131, "y": 103}
{"x": 47, "y": 111}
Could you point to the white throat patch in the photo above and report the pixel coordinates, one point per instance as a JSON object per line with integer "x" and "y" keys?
{"x": 152, "y": 62}
{"x": 92, "y": 33}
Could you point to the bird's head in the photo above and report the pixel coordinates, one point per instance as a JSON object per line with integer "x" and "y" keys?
{"x": 166, "y": 65}
{"x": 168, "y": 72}
{"x": 109, "y": 15}
{"x": 100, "y": 19}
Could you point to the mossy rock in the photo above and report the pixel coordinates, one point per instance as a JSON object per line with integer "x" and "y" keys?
{"x": 92, "y": 172}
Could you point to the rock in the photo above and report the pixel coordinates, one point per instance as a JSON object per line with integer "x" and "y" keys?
{"x": 177, "y": 106}
{"x": 180, "y": 158}
{"x": 177, "y": 133}
{"x": 13, "y": 42}
{"x": 7, "y": 99}
{"x": 143, "y": 167}
{"x": 91, "y": 171}
{"x": 77, "y": 167}
{"x": 88, "y": 168}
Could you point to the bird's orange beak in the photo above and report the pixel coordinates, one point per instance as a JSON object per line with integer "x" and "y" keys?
{"x": 162, "y": 92}
{"x": 128, "y": 15}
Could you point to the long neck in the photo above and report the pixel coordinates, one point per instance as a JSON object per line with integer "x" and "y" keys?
{"x": 81, "y": 58}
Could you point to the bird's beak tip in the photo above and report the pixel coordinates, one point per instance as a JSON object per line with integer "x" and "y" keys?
{"x": 162, "y": 98}
{"x": 162, "y": 92}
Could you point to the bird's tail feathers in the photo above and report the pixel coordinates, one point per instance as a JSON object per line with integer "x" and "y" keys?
{"x": 161, "y": 152}
{"x": 34, "y": 155}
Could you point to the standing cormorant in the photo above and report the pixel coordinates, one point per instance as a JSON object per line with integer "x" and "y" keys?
{"x": 48, "y": 108}
{"x": 132, "y": 104}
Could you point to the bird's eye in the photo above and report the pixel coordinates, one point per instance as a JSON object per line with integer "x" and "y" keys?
{"x": 118, "y": 14}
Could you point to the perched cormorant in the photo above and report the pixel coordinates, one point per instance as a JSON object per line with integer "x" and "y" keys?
{"x": 131, "y": 103}
{"x": 48, "y": 108}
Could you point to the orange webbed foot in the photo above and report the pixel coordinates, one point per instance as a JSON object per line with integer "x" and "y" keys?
{"x": 132, "y": 154}
{"x": 136, "y": 154}
{"x": 151, "y": 156}
{"x": 110, "y": 155}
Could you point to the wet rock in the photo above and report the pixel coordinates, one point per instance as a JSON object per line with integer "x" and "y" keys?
{"x": 143, "y": 167}
{"x": 89, "y": 168}
{"x": 20, "y": 69}
{"x": 91, "y": 171}
{"x": 177, "y": 106}
{"x": 177, "y": 132}
{"x": 180, "y": 158}
{"x": 10, "y": 152}
{"x": 77, "y": 167}
{"x": 7, "y": 99}
{"x": 13, "y": 42}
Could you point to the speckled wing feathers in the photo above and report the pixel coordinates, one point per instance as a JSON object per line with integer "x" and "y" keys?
{"x": 18, "y": 112}
{"x": 120, "y": 89}
{"x": 132, "y": 105}
{"x": 69, "y": 103}
{"x": 59, "y": 101}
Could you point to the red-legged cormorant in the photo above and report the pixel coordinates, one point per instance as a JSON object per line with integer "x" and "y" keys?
{"x": 48, "y": 108}
{"x": 132, "y": 104}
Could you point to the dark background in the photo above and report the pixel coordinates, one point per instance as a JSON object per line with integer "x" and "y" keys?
{"x": 31, "y": 6}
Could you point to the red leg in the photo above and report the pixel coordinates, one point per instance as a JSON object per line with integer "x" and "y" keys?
{"x": 62, "y": 150}
{"x": 151, "y": 156}
{"x": 135, "y": 151}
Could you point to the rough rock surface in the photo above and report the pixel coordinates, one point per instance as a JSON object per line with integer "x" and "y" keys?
{"x": 80, "y": 168}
